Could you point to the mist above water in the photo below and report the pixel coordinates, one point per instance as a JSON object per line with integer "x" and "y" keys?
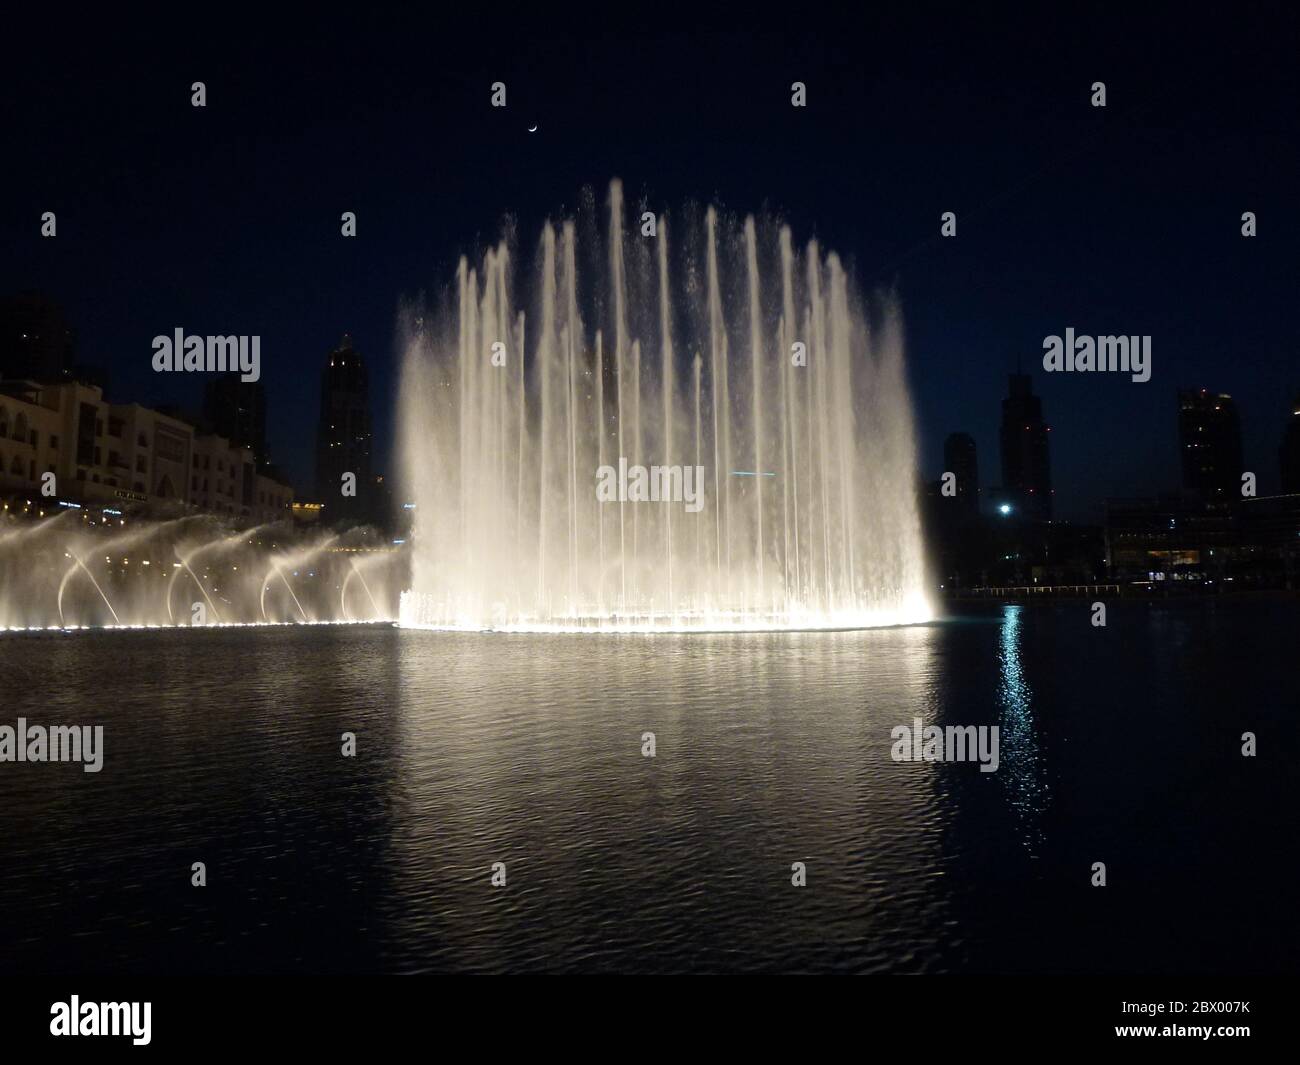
{"x": 712, "y": 344}
{"x": 65, "y": 571}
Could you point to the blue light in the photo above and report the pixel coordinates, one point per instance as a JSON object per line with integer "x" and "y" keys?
{"x": 1005, "y": 508}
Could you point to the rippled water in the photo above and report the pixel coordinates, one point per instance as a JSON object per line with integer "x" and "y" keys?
{"x": 1119, "y": 745}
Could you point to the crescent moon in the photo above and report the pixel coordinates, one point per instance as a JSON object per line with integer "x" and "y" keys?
{"x": 532, "y": 129}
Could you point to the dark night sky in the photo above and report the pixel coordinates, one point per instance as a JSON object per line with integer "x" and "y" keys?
{"x": 1122, "y": 220}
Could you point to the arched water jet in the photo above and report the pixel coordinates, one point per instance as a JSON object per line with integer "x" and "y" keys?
{"x": 171, "y": 582}
{"x": 266, "y": 583}
{"x": 38, "y": 574}
{"x": 219, "y": 545}
{"x": 76, "y": 561}
{"x": 185, "y": 565}
{"x": 297, "y": 558}
{"x": 355, "y": 571}
{"x": 13, "y": 537}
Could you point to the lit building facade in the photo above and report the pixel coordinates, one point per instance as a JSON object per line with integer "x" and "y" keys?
{"x": 124, "y": 455}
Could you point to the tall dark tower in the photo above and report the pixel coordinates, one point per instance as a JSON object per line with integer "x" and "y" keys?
{"x": 35, "y": 340}
{"x": 236, "y": 410}
{"x": 1209, "y": 435}
{"x": 343, "y": 434}
{"x": 1289, "y": 452}
{"x": 1026, "y": 463}
{"x": 959, "y": 458}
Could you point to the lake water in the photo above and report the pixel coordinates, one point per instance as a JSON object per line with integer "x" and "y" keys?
{"x": 1119, "y": 745}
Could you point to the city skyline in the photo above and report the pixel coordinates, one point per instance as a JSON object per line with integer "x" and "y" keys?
{"x": 237, "y": 411}
{"x": 975, "y": 304}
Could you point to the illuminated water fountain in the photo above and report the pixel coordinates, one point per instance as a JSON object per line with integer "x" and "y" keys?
{"x": 692, "y": 344}
{"x": 70, "y": 572}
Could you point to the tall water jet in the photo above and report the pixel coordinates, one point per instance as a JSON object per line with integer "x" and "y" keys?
{"x": 726, "y": 351}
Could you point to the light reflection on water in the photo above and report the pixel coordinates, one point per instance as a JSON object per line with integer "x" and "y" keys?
{"x": 1020, "y": 770}
{"x": 771, "y": 748}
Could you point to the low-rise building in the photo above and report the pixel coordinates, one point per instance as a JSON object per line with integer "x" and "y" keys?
{"x": 125, "y": 455}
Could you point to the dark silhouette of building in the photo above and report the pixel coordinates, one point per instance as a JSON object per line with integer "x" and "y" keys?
{"x": 959, "y": 458}
{"x": 1289, "y": 452}
{"x": 1209, "y": 435}
{"x": 36, "y": 342}
{"x": 343, "y": 436}
{"x": 236, "y": 410}
{"x": 1174, "y": 542}
{"x": 1026, "y": 463}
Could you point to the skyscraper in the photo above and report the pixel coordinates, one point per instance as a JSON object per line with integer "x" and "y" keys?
{"x": 236, "y": 410}
{"x": 36, "y": 342}
{"x": 959, "y": 458}
{"x": 343, "y": 435}
{"x": 1289, "y": 452}
{"x": 1209, "y": 436}
{"x": 1026, "y": 463}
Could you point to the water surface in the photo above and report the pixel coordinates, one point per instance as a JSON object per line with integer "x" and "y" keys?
{"x": 223, "y": 746}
